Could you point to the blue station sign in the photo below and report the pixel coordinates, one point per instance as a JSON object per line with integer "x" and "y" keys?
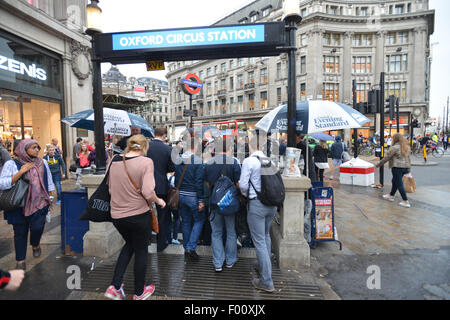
{"x": 199, "y": 43}
{"x": 189, "y": 37}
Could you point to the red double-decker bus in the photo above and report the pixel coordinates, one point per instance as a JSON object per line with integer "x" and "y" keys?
{"x": 228, "y": 128}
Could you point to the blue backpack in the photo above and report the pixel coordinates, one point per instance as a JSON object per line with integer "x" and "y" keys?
{"x": 224, "y": 198}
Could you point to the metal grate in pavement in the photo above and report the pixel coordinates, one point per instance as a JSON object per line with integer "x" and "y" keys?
{"x": 177, "y": 278}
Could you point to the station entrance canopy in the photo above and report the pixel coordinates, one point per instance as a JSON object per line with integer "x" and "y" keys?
{"x": 198, "y": 43}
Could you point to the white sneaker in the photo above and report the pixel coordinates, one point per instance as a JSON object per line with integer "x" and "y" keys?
{"x": 175, "y": 241}
{"x": 388, "y": 197}
{"x": 405, "y": 204}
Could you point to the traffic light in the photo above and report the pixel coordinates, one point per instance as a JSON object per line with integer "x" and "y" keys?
{"x": 391, "y": 101}
{"x": 372, "y": 104}
{"x": 415, "y": 123}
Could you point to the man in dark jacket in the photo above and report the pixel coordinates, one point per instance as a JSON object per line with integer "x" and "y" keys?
{"x": 337, "y": 149}
{"x": 301, "y": 144}
{"x": 160, "y": 153}
{"x": 122, "y": 144}
{"x": 192, "y": 204}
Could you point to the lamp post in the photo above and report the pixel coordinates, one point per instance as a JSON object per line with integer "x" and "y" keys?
{"x": 291, "y": 17}
{"x": 94, "y": 28}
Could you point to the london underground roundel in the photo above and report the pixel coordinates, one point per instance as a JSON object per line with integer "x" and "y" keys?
{"x": 191, "y": 84}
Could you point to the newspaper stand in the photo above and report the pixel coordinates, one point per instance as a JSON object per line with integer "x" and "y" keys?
{"x": 322, "y": 216}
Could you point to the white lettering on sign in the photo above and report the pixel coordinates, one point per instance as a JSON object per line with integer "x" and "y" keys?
{"x": 15, "y": 66}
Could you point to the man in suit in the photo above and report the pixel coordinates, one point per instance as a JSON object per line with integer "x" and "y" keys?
{"x": 160, "y": 153}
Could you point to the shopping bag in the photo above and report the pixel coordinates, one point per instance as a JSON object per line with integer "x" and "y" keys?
{"x": 409, "y": 183}
{"x": 155, "y": 225}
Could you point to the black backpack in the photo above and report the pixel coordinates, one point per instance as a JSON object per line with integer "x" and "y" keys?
{"x": 224, "y": 196}
{"x": 272, "y": 186}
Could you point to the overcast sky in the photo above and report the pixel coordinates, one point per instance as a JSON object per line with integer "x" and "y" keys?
{"x": 133, "y": 15}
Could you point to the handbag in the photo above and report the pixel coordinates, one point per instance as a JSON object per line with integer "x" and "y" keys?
{"x": 98, "y": 208}
{"x": 409, "y": 183}
{"x": 173, "y": 196}
{"x": 155, "y": 225}
{"x": 16, "y": 196}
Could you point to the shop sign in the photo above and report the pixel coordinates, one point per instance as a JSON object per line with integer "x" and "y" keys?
{"x": 16, "y": 66}
{"x": 155, "y": 65}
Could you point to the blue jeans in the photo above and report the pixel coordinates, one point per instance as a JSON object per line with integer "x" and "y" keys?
{"x": 259, "y": 220}
{"x": 57, "y": 181}
{"x": 397, "y": 182}
{"x": 35, "y": 225}
{"x": 176, "y": 226}
{"x": 221, "y": 254}
{"x": 192, "y": 221}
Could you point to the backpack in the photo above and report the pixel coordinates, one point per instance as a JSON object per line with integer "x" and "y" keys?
{"x": 224, "y": 197}
{"x": 272, "y": 186}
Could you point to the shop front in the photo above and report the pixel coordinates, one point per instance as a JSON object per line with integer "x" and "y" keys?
{"x": 30, "y": 92}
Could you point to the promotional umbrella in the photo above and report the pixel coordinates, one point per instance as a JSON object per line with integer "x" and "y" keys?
{"x": 115, "y": 122}
{"x": 313, "y": 116}
{"x": 322, "y": 136}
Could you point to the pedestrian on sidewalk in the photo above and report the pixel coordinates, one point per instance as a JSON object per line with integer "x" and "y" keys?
{"x": 223, "y": 163}
{"x": 400, "y": 164}
{"x": 161, "y": 154}
{"x": 56, "y": 164}
{"x": 191, "y": 204}
{"x": 320, "y": 155}
{"x": 259, "y": 216}
{"x": 174, "y": 219}
{"x": 83, "y": 156}
{"x": 130, "y": 212}
{"x": 30, "y": 218}
{"x": 445, "y": 141}
{"x": 337, "y": 149}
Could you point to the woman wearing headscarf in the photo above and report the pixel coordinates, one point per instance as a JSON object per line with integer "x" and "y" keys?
{"x": 30, "y": 218}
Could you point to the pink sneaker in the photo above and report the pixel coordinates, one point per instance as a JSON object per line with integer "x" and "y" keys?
{"x": 114, "y": 294}
{"x": 148, "y": 291}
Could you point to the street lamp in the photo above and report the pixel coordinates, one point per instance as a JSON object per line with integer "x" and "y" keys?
{"x": 93, "y": 29}
{"x": 291, "y": 16}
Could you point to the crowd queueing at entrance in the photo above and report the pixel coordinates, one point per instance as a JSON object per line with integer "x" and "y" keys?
{"x": 144, "y": 173}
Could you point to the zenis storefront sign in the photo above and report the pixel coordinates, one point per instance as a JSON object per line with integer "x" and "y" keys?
{"x": 27, "y": 68}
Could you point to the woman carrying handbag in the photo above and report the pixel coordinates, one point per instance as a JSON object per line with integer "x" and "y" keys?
{"x": 131, "y": 214}
{"x": 30, "y": 218}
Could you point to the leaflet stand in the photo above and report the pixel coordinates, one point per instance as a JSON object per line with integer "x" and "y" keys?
{"x": 322, "y": 215}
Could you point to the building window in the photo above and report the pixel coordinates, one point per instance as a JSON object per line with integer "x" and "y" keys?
{"x": 399, "y": 9}
{"x": 263, "y": 100}
{"x": 231, "y": 83}
{"x": 303, "y": 91}
{"x": 397, "y": 37}
{"x": 223, "y": 67}
{"x": 208, "y": 72}
{"x": 331, "y": 39}
{"x": 364, "y": 12}
{"x": 231, "y": 64}
{"x": 396, "y": 63}
{"x": 209, "y": 108}
{"x": 216, "y": 86}
{"x": 253, "y": 18}
{"x": 362, "y": 90}
{"x": 208, "y": 88}
{"x": 331, "y": 64}
{"x": 251, "y": 102}
{"x": 304, "y": 40}
{"x": 362, "y": 40}
{"x": 242, "y": 21}
{"x": 240, "y": 81}
{"x": 263, "y": 76}
{"x": 240, "y": 62}
{"x": 278, "y": 70}
{"x": 303, "y": 64}
{"x": 223, "y": 85}
{"x": 304, "y": 12}
{"x": 278, "y": 96}
{"x": 251, "y": 77}
{"x": 265, "y": 12}
{"x": 397, "y": 89}
{"x": 200, "y": 74}
{"x": 251, "y": 60}
{"x": 331, "y": 92}
{"x": 215, "y": 69}
{"x": 362, "y": 65}
{"x": 223, "y": 106}
{"x": 216, "y": 106}
{"x": 240, "y": 104}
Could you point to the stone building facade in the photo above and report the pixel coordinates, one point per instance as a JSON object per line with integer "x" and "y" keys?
{"x": 48, "y": 74}
{"x": 337, "y": 41}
